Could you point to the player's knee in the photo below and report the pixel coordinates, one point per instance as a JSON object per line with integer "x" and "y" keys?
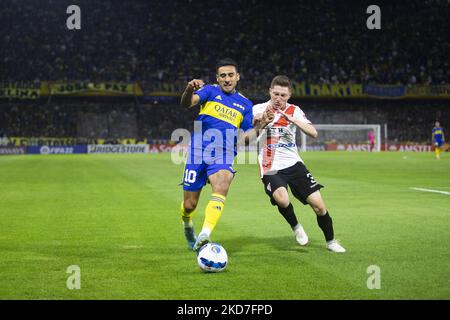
{"x": 190, "y": 205}
{"x": 282, "y": 199}
{"x": 284, "y": 203}
{"x": 320, "y": 209}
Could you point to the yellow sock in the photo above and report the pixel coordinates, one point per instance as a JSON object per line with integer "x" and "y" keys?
{"x": 437, "y": 150}
{"x": 185, "y": 216}
{"x": 213, "y": 211}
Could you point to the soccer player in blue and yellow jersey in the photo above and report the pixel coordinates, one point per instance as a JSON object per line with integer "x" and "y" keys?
{"x": 223, "y": 111}
{"x": 438, "y": 138}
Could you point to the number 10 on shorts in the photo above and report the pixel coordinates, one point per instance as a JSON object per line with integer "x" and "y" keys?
{"x": 190, "y": 176}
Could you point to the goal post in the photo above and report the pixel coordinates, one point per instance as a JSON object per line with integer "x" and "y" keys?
{"x": 342, "y": 135}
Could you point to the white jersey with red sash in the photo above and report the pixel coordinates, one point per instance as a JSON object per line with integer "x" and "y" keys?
{"x": 277, "y": 145}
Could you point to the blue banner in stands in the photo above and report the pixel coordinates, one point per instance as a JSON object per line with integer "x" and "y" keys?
{"x": 56, "y": 149}
{"x": 385, "y": 91}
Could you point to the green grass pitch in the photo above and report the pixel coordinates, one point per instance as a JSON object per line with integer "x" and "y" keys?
{"x": 117, "y": 218}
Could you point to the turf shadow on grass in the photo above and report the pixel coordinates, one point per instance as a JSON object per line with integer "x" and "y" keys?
{"x": 283, "y": 243}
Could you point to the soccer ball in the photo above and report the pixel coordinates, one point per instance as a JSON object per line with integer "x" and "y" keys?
{"x": 212, "y": 257}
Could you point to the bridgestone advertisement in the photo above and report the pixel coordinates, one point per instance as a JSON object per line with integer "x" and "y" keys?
{"x": 109, "y": 148}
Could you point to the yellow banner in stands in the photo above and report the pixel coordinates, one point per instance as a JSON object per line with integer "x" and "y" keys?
{"x": 94, "y": 88}
{"x": 20, "y": 90}
{"x": 428, "y": 91}
{"x": 302, "y": 89}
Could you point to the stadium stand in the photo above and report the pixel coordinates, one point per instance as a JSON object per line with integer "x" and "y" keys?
{"x": 171, "y": 42}
{"x": 159, "y": 41}
{"x": 114, "y": 121}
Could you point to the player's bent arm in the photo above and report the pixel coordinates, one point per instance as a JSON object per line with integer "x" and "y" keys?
{"x": 308, "y": 129}
{"x": 257, "y": 118}
{"x": 188, "y": 98}
{"x": 260, "y": 121}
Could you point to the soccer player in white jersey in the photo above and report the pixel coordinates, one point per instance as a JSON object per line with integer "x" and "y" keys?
{"x": 281, "y": 166}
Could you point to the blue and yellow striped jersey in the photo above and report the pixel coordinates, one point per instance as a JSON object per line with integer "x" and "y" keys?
{"x": 437, "y": 134}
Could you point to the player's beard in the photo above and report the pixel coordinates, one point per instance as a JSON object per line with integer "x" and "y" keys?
{"x": 228, "y": 89}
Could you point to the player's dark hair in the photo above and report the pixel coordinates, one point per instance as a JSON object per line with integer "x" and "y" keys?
{"x": 226, "y": 62}
{"x": 282, "y": 81}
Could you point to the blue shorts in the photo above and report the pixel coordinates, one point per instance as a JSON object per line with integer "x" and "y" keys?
{"x": 438, "y": 144}
{"x": 196, "y": 175}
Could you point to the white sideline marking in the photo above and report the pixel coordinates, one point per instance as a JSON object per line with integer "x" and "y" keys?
{"x": 431, "y": 190}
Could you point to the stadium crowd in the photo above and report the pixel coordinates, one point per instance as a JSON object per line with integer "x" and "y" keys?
{"x": 171, "y": 42}
{"x": 177, "y": 40}
{"x": 113, "y": 122}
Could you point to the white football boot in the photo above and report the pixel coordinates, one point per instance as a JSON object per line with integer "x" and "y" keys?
{"x": 334, "y": 246}
{"x": 300, "y": 235}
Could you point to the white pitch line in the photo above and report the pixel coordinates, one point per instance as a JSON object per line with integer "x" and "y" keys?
{"x": 431, "y": 190}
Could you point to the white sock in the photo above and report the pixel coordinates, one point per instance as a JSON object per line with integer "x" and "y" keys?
{"x": 206, "y": 231}
{"x": 189, "y": 224}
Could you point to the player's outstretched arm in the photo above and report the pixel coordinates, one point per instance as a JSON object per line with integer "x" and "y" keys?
{"x": 188, "y": 98}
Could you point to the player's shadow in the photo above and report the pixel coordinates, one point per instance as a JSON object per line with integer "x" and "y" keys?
{"x": 284, "y": 243}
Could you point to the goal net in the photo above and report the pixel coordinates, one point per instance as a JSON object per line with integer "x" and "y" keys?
{"x": 350, "y": 137}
